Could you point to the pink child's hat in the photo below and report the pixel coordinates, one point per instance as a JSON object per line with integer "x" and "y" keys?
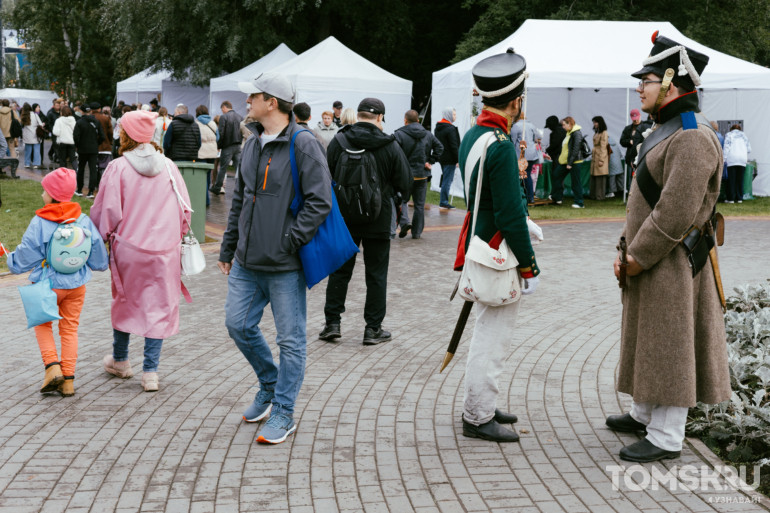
{"x": 139, "y": 125}
{"x": 60, "y": 184}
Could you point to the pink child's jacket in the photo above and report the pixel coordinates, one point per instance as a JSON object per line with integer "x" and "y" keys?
{"x": 137, "y": 211}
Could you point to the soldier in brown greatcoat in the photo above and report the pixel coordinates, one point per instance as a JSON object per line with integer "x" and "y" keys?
{"x": 673, "y": 351}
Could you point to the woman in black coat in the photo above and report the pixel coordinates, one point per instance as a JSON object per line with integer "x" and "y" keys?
{"x": 449, "y": 136}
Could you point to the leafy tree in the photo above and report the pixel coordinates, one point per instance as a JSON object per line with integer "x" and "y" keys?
{"x": 69, "y": 51}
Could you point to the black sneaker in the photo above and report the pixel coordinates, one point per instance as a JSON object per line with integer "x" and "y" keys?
{"x": 404, "y": 230}
{"x": 373, "y": 337}
{"x": 330, "y": 332}
{"x": 78, "y": 194}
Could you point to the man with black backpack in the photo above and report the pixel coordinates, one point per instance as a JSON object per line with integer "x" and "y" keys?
{"x": 370, "y": 170}
{"x": 88, "y": 135}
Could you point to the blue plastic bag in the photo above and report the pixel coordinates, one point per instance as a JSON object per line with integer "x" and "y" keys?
{"x": 40, "y": 302}
{"x": 332, "y": 244}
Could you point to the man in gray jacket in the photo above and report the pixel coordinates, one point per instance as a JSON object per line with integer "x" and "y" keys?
{"x": 229, "y": 143}
{"x": 263, "y": 238}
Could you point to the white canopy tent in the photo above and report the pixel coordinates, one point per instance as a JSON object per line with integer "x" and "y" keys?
{"x": 226, "y": 87}
{"x": 146, "y": 85}
{"x": 22, "y": 96}
{"x": 330, "y": 71}
{"x": 582, "y": 69}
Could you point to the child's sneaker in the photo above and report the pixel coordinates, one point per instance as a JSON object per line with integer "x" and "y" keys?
{"x": 261, "y": 406}
{"x": 119, "y": 369}
{"x": 277, "y": 428}
{"x": 150, "y": 381}
{"x": 53, "y": 378}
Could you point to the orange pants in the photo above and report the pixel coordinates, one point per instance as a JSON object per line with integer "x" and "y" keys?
{"x": 70, "y": 303}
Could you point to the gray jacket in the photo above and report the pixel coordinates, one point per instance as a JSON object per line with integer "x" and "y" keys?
{"x": 261, "y": 233}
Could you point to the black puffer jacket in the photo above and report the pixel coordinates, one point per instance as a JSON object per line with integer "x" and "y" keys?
{"x": 449, "y": 137}
{"x": 420, "y": 146}
{"x": 88, "y": 134}
{"x": 392, "y": 168}
{"x": 229, "y": 129}
{"x": 183, "y": 138}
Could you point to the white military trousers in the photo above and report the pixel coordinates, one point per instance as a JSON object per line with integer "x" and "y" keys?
{"x": 488, "y": 350}
{"x": 665, "y": 424}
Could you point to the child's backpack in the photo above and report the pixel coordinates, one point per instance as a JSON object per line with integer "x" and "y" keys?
{"x": 358, "y": 186}
{"x": 69, "y": 247}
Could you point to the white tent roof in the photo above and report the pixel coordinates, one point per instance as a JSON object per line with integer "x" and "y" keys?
{"x": 21, "y": 96}
{"x": 582, "y": 69}
{"x": 330, "y": 71}
{"x": 562, "y": 53}
{"x": 279, "y": 55}
{"x": 146, "y": 85}
{"x": 144, "y": 82}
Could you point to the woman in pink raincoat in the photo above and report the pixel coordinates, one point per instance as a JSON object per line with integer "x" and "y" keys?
{"x": 138, "y": 211}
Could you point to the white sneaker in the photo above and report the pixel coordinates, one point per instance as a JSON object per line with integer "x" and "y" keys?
{"x": 740, "y": 201}
{"x": 575, "y": 205}
{"x": 610, "y": 195}
{"x": 728, "y": 201}
{"x": 150, "y": 381}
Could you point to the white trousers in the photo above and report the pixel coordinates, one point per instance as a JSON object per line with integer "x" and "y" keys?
{"x": 488, "y": 350}
{"x": 665, "y": 424}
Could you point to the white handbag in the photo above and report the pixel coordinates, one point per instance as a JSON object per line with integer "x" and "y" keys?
{"x": 192, "y": 260}
{"x": 489, "y": 276}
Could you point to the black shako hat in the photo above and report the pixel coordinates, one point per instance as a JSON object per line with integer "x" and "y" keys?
{"x": 666, "y": 53}
{"x": 500, "y": 78}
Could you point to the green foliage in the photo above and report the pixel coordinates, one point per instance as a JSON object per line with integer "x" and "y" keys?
{"x": 739, "y": 429}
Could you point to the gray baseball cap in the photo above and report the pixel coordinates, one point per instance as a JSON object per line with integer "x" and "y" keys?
{"x": 274, "y": 84}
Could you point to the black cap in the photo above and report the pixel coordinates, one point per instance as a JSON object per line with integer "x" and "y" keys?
{"x": 337, "y": 104}
{"x": 85, "y": 107}
{"x": 682, "y": 76}
{"x": 153, "y": 101}
{"x": 95, "y": 105}
{"x": 372, "y": 105}
{"x": 497, "y": 73}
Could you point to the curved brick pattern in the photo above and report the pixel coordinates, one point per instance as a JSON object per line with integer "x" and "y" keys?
{"x": 378, "y": 427}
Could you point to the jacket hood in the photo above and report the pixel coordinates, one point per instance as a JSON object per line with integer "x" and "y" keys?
{"x": 575, "y": 128}
{"x": 186, "y": 118}
{"x": 413, "y": 130}
{"x": 552, "y": 123}
{"x": 146, "y": 160}
{"x": 88, "y": 116}
{"x": 365, "y": 135}
{"x": 205, "y": 119}
{"x": 5, "y": 110}
{"x": 60, "y": 212}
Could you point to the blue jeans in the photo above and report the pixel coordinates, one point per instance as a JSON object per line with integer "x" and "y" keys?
{"x": 248, "y": 294}
{"x": 31, "y": 154}
{"x": 528, "y": 184}
{"x": 447, "y": 175}
{"x": 151, "y": 350}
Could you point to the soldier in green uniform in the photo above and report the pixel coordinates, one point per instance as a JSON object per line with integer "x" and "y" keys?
{"x": 502, "y": 214}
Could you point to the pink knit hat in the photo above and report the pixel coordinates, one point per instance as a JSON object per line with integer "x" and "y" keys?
{"x": 139, "y": 125}
{"x": 60, "y": 184}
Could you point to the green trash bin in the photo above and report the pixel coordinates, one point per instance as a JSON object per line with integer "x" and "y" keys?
{"x": 194, "y": 174}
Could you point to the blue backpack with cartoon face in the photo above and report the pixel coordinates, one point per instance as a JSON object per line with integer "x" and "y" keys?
{"x": 69, "y": 247}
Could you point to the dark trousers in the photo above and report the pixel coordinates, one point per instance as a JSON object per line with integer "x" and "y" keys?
{"x": 735, "y": 182}
{"x": 67, "y": 155}
{"x": 419, "y": 191}
{"x": 557, "y": 188}
{"x": 528, "y": 184}
{"x": 52, "y": 153}
{"x": 93, "y": 172}
{"x": 376, "y": 259}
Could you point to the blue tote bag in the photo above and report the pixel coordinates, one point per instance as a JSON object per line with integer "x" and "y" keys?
{"x": 332, "y": 245}
{"x": 40, "y": 302}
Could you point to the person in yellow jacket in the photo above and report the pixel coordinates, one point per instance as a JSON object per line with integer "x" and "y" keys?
{"x": 569, "y": 157}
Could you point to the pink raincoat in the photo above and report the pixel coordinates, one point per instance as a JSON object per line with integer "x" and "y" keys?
{"x": 137, "y": 211}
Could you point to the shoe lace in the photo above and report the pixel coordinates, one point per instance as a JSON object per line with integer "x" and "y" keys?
{"x": 279, "y": 420}
{"x": 264, "y": 396}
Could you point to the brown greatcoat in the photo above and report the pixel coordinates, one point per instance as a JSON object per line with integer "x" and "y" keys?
{"x": 673, "y": 347}
{"x": 600, "y": 158}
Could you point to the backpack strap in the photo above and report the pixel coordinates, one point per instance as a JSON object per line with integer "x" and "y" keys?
{"x": 298, "y": 201}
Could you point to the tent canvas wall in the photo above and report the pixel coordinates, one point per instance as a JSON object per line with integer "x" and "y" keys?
{"x": 226, "y": 87}
{"x": 582, "y": 69}
{"x": 146, "y": 85}
{"x": 22, "y": 96}
{"x": 330, "y": 71}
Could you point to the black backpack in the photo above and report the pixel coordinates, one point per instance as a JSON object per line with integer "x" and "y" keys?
{"x": 357, "y": 185}
{"x": 15, "y": 127}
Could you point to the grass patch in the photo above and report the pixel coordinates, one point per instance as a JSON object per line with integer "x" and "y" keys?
{"x": 20, "y": 200}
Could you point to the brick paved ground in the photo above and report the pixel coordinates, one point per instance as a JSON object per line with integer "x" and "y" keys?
{"x": 378, "y": 427}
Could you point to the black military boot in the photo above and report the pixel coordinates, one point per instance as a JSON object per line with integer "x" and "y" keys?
{"x": 502, "y": 417}
{"x": 624, "y": 423}
{"x": 491, "y": 431}
{"x": 330, "y": 332}
{"x": 644, "y": 451}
